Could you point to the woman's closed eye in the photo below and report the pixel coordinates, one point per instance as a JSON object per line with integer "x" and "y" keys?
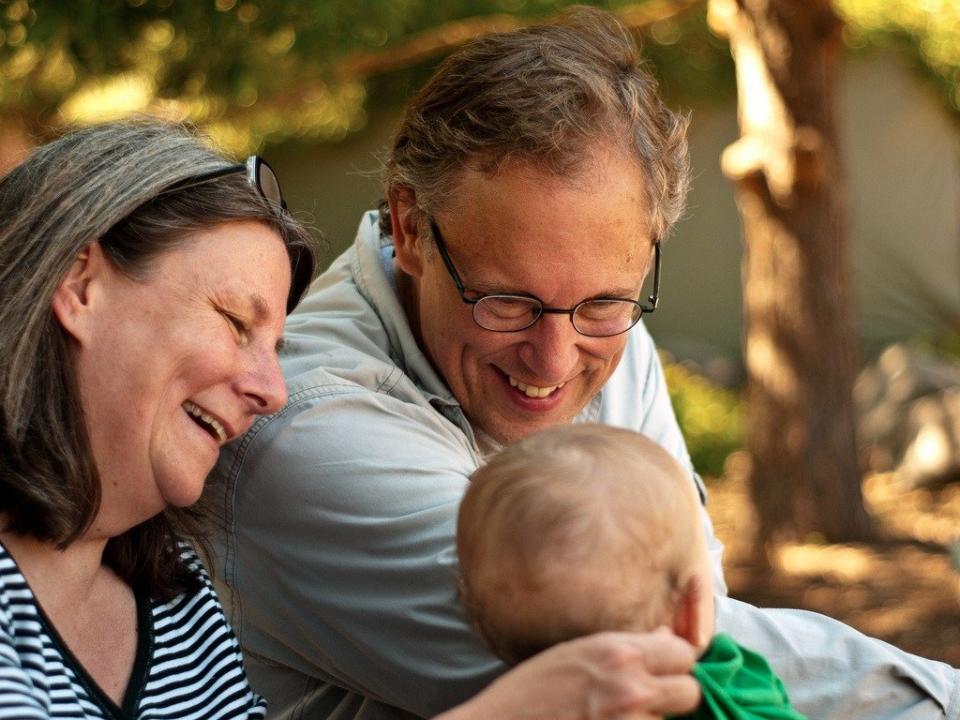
{"x": 239, "y": 326}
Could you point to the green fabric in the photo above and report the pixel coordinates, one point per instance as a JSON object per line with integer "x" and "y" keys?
{"x": 738, "y": 684}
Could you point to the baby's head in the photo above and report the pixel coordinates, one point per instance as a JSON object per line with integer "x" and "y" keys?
{"x": 580, "y": 529}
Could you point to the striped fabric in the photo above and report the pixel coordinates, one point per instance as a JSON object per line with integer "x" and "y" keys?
{"x": 188, "y": 664}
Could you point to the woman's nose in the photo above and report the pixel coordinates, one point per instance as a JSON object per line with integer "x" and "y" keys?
{"x": 264, "y": 385}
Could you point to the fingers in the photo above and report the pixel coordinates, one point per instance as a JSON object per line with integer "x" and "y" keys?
{"x": 663, "y": 653}
{"x": 608, "y": 676}
{"x": 638, "y": 694}
{"x": 656, "y": 653}
{"x": 646, "y": 675}
{"x": 675, "y": 695}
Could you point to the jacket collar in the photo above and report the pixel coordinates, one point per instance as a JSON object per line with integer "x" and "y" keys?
{"x": 375, "y": 275}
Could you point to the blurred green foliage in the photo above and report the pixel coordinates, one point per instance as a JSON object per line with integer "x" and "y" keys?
{"x": 252, "y": 71}
{"x": 939, "y": 343}
{"x": 272, "y": 69}
{"x": 926, "y": 30}
{"x": 711, "y": 417}
{"x": 264, "y": 70}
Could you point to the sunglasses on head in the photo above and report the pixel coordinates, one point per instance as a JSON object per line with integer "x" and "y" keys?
{"x": 259, "y": 174}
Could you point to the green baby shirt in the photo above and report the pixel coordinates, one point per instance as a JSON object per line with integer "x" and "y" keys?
{"x": 738, "y": 684}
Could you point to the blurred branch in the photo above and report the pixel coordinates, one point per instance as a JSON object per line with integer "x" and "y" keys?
{"x": 441, "y": 39}
{"x": 424, "y": 46}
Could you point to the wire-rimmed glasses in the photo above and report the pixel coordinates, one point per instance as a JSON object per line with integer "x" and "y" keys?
{"x": 596, "y": 317}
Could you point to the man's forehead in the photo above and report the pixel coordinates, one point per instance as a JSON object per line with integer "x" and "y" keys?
{"x": 578, "y": 168}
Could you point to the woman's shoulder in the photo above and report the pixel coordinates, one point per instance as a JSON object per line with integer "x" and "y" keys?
{"x": 30, "y": 663}
{"x": 15, "y": 594}
{"x": 200, "y": 582}
{"x": 191, "y": 561}
{"x": 174, "y": 618}
{"x": 193, "y": 628}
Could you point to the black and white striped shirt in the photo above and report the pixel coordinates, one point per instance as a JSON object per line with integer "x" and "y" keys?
{"x": 188, "y": 664}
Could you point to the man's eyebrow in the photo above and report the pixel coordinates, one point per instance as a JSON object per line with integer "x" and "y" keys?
{"x": 492, "y": 288}
{"x": 618, "y": 293}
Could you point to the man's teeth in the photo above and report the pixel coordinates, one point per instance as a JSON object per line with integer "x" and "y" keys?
{"x": 532, "y": 390}
{"x": 208, "y": 419}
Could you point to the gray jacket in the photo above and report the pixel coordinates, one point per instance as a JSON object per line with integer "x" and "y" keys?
{"x": 336, "y": 549}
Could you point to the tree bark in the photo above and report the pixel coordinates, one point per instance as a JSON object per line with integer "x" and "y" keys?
{"x": 799, "y": 340}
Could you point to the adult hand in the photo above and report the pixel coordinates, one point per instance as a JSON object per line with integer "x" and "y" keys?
{"x": 607, "y": 676}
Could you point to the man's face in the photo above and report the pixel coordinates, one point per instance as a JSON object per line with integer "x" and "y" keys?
{"x": 562, "y": 240}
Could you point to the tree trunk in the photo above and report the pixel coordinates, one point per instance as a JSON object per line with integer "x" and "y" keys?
{"x": 799, "y": 341}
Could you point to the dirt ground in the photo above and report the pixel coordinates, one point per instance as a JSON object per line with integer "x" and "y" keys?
{"x": 905, "y": 590}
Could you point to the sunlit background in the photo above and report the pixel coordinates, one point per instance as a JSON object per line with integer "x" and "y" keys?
{"x": 317, "y": 87}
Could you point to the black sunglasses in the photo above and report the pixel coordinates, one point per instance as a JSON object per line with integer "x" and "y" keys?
{"x": 259, "y": 174}
{"x": 264, "y": 179}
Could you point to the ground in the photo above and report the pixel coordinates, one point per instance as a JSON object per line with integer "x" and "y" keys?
{"x": 905, "y": 590}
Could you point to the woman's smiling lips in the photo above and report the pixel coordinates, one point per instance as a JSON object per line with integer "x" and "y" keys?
{"x": 208, "y": 422}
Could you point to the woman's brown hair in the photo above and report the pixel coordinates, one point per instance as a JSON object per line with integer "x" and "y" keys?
{"x": 126, "y": 185}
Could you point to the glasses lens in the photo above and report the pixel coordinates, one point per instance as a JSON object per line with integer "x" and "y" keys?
{"x": 506, "y": 313}
{"x": 603, "y": 318}
{"x": 269, "y": 185}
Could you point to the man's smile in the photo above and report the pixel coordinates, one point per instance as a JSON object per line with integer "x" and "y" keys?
{"x": 533, "y": 391}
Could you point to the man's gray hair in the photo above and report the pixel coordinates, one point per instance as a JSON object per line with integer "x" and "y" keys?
{"x": 541, "y": 95}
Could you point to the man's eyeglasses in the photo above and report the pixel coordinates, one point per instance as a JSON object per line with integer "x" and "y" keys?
{"x": 259, "y": 174}
{"x": 599, "y": 317}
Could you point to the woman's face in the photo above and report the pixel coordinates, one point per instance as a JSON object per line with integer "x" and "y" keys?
{"x": 173, "y": 366}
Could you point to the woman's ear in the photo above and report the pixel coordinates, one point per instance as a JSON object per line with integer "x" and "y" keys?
{"x": 74, "y": 296}
{"x": 407, "y": 243}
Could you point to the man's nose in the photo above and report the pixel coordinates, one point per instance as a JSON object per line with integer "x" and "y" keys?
{"x": 551, "y": 350}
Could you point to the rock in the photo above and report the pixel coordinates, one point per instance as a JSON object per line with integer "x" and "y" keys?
{"x": 908, "y": 406}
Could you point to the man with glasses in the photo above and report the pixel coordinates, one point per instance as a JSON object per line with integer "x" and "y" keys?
{"x": 497, "y": 292}
{"x": 596, "y": 317}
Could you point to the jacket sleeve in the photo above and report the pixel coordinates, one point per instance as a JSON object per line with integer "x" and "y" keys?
{"x": 833, "y": 672}
{"x": 339, "y": 553}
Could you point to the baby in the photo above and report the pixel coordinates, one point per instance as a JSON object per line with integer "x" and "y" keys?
{"x": 586, "y": 528}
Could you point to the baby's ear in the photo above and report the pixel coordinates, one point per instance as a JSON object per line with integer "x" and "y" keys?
{"x": 689, "y": 620}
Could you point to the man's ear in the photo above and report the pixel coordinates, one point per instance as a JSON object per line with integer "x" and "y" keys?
{"x": 72, "y": 300}
{"x": 407, "y": 243}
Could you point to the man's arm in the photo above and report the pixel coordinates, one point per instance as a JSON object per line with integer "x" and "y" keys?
{"x": 341, "y": 515}
{"x": 340, "y": 557}
{"x": 833, "y": 672}
{"x": 603, "y": 676}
